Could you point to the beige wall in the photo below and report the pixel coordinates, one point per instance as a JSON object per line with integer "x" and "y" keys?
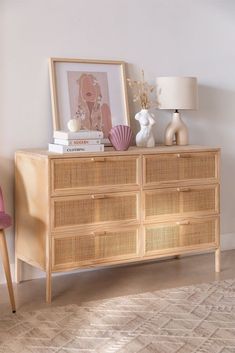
{"x": 165, "y": 37}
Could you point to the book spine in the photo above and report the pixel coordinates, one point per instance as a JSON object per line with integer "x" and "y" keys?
{"x": 81, "y": 135}
{"x": 66, "y": 142}
{"x": 75, "y": 149}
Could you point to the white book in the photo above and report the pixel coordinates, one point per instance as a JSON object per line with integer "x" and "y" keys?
{"x": 81, "y": 134}
{"x": 75, "y": 149}
{"x": 84, "y": 142}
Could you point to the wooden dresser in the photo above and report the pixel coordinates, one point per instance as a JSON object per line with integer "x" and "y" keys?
{"x": 88, "y": 210}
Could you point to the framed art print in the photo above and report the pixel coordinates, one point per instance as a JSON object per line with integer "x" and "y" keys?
{"x": 93, "y": 91}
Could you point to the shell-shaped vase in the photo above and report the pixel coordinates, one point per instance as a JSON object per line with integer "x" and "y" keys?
{"x": 121, "y": 137}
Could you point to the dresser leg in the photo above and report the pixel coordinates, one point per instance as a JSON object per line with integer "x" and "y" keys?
{"x": 48, "y": 287}
{"x": 217, "y": 260}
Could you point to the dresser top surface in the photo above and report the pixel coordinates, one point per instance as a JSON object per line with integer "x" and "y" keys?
{"x": 109, "y": 151}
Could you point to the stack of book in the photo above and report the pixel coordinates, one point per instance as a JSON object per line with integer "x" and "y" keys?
{"x": 74, "y": 142}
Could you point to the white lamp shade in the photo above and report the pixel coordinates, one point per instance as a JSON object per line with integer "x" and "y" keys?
{"x": 177, "y": 93}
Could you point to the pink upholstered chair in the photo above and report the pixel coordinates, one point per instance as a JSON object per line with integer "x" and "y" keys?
{"x": 5, "y": 222}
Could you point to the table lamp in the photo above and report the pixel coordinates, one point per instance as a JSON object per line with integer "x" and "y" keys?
{"x": 177, "y": 93}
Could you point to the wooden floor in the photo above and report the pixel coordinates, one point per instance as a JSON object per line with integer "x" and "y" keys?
{"x": 105, "y": 283}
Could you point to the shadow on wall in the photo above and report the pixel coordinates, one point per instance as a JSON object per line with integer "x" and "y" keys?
{"x": 214, "y": 125}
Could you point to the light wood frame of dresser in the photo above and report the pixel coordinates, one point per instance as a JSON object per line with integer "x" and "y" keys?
{"x": 34, "y": 231}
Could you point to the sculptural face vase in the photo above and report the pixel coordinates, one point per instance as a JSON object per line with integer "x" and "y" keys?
{"x": 145, "y": 137}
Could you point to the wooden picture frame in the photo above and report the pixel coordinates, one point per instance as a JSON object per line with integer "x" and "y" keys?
{"x": 94, "y": 91}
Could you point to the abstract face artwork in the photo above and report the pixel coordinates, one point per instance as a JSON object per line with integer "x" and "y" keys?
{"x": 89, "y": 100}
{"x": 90, "y": 93}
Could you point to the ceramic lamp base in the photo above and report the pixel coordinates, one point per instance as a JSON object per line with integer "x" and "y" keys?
{"x": 176, "y": 131}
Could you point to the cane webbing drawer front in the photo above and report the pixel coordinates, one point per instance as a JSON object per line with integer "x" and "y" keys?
{"x": 83, "y": 174}
{"x": 73, "y": 211}
{"x": 92, "y": 248}
{"x": 182, "y": 201}
{"x": 172, "y": 168}
{"x": 185, "y": 234}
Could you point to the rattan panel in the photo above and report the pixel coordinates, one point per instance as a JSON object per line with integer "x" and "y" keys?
{"x": 83, "y": 172}
{"x": 198, "y": 166}
{"x": 182, "y": 167}
{"x": 162, "y": 203}
{"x": 197, "y": 200}
{"x": 182, "y": 201}
{"x": 84, "y": 248}
{"x": 117, "y": 244}
{"x": 78, "y": 211}
{"x": 162, "y": 237}
{"x": 89, "y": 248}
{"x": 64, "y": 250}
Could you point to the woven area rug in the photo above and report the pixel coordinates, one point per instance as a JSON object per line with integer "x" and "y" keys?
{"x": 198, "y": 318}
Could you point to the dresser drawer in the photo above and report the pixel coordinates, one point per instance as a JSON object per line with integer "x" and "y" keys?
{"x": 85, "y": 249}
{"x": 168, "y": 237}
{"x": 182, "y": 201}
{"x": 168, "y": 169}
{"x": 83, "y": 175}
{"x": 77, "y": 211}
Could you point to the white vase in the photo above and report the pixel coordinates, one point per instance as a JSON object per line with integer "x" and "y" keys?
{"x": 74, "y": 125}
{"x": 145, "y": 137}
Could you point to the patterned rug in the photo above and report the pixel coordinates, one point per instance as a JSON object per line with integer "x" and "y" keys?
{"x": 191, "y": 319}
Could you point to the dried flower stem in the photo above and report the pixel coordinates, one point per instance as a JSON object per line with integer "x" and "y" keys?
{"x": 142, "y": 92}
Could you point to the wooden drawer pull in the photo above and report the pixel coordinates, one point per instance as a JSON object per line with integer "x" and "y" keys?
{"x": 183, "y": 189}
{"x": 98, "y": 196}
{"x": 179, "y": 155}
{"x": 98, "y": 233}
{"x": 98, "y": 159}
{"x": 183, "y": 223}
